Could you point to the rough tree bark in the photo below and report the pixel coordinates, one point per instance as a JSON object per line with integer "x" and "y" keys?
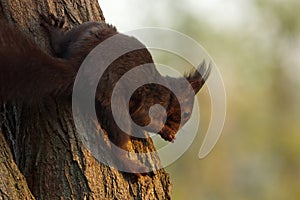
{"x": 41, "y": 154}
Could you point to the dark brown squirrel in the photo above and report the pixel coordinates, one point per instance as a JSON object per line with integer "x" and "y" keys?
{"x": 29, "y": 74}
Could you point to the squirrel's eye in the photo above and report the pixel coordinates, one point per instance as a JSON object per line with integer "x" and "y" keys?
{"x": 186, "y": 114}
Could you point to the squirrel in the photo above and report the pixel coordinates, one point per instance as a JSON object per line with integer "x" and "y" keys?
{"x": 28, "y": 73}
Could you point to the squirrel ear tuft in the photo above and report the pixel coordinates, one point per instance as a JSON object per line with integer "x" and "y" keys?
{"x": 199, "y": 76}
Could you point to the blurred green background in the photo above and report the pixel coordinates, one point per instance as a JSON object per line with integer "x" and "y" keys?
{"x": 256, "y": 46}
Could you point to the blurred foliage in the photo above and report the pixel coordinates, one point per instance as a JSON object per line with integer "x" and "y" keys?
{"x": 258, "y": 154}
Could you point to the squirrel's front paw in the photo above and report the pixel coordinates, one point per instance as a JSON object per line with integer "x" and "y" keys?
{"x": 52, "y": 22}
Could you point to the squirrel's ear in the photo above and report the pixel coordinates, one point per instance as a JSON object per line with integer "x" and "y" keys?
{"x": 199, "y": 76}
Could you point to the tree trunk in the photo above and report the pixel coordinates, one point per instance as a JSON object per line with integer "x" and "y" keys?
{"x": 40, "y": 142}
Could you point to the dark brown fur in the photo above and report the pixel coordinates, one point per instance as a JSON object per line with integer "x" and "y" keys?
{"x": 26, "y": 72}
{"x": 29, "y": 74}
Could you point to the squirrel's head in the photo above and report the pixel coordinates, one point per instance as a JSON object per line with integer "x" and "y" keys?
{"x": 180, "y": 106}
{"x": 177, "y": 101}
